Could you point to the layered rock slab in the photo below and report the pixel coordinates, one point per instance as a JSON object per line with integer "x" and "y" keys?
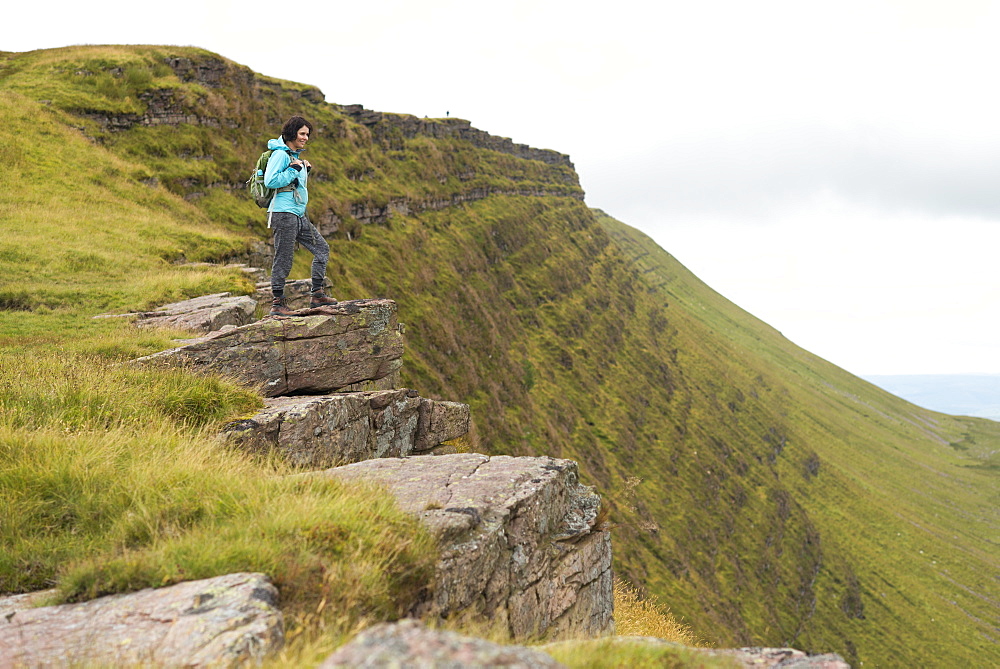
{"x": 780, "y": 658}
{"x": 408, "y": 643}
{"x": 519, "y": 538}
{"x": 329, "y": 430}
{"x": 315, "y": 351}
{"x": 200, "y": 314}
{"x": 224, "y": 621}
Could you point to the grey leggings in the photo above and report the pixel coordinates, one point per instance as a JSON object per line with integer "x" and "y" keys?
{"x": 288, "y": 229}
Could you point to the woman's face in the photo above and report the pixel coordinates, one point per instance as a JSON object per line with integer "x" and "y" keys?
{"x": 301, "y": 138}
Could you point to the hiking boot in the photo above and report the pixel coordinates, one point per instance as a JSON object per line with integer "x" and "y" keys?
{"x": 278, "y": 308}
{"x": 318, "y": 299}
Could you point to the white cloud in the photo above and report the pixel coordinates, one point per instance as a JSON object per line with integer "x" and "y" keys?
{"x": 874, "y": 292}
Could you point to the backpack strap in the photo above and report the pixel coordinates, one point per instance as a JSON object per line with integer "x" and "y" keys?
{"x": 289, "y": 188}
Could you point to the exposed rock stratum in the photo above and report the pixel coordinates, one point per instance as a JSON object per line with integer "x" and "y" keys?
{"x": 316, "y": 351}
{"x": 328, "y": 430}
{"x": 519, "y": 537}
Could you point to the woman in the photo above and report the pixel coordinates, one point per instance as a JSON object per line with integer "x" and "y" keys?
{"x": 289, "y": 176}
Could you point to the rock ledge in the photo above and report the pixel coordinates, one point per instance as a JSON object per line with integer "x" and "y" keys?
{"x": 519, "y": 540}
{"x": 315, "y": 351}
{"x": 223, "y": 621}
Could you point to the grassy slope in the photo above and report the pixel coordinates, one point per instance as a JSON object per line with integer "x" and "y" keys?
{"x": 904, "y": 499}
{"x": 782, "y": 501}
{"x": 110, "y": 478}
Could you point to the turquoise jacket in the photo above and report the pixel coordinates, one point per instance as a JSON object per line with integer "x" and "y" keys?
{"x": 279, "y": 174}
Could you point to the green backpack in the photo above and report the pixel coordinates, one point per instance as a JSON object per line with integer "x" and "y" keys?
{"x": 260, "y": 193}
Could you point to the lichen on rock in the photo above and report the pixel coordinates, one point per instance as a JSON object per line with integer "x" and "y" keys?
{"x": 519, "y": 540}
{"x": 315, "y": 351}
{"x": 225, "y": 621}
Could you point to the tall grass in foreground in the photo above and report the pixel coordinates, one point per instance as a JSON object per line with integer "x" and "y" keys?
{"x": 112, "y": 480}
{"x": 75, "y": 393}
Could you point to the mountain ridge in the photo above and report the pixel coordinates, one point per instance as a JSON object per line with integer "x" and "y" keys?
{"x": 572, "y": 335}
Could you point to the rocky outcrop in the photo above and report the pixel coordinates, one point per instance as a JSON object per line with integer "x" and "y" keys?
{"x": 519, "y": 537}
{"x": 410, "y": 126}
{"x": 408, "y": 643}
{"x": 219, "y": 622}
{"x": 215, "y": 72}
{"x": 210, "y": 71}
{"x": 328, "y": 430}
{"x": 366, "y": 213}
{"x": 439, "y": 421}
{"x": 200, "y": 314}
{"x": 164, "y": 106}
{"x": 171, "y": 106}
{"x": 779, "y": 658}
{"x": 318, "y": 351}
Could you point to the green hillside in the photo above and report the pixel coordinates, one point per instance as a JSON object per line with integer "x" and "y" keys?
{"x": 769, "y": 497}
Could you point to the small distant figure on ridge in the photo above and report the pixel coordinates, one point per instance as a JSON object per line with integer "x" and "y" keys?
{"x": 447, "y": 114}
{"x": 288, "y": 174}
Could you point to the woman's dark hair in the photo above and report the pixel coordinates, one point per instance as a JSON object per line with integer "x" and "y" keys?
{"x": 292, "y": 127}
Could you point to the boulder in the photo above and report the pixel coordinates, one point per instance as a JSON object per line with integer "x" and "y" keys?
{"x": 408, "y": 643}
{"x": 747, "y": 658}
{"x": 224, "y": 621}
{"x": 521, "y": 545}
{"x": 779, "y": 658}
{"x": 200, "y": 314}
{"x": 440, "y": 421}
{"x": 315, "y": 351}
{"x": 329, "y": 430}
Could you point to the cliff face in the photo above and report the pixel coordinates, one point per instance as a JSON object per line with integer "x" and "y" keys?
{"x": 766, "y": 496}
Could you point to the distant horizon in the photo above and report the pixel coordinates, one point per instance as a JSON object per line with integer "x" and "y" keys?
{"x": 976, "y": 394}
{"x": 869, "y": 376}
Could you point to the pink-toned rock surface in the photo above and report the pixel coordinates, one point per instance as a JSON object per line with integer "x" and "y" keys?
{"x": 219, "y": 622}
{"x": 520, "y": 545}
{"x": 780, "y": 658}
{"x": 408, "y": 643}
{"x": 206, "y": 313}
{"x": 440, "y": 421}
{"x": 328, "y": 430}
{"x": 315, "y": 351}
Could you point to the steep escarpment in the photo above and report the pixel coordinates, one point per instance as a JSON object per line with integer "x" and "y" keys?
{"x": 192, "y": 118}
{"x": 767, "y": 496}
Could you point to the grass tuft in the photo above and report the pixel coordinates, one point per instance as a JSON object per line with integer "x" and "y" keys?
{"x": 637, "y": 616}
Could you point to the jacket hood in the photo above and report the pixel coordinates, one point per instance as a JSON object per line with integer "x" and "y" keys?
{"x": 273, "y": 144}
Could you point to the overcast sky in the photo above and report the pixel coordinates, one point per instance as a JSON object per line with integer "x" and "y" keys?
{"x": 832, "y": 167}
